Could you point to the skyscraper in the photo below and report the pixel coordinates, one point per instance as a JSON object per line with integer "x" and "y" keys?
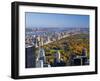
{"x": 41, "y": 59}
{"x": 30, "y": 57}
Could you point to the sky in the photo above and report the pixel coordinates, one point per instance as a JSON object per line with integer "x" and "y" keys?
{"x": 33, "y": 19}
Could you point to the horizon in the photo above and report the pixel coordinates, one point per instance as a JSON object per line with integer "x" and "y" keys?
{"x": 56, "y": 27}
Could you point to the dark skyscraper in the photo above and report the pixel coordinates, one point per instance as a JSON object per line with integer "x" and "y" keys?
{"x": 84, "y": 52}
{"x": 30, "y": 57}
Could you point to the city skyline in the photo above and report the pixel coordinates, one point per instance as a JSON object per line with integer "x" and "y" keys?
{"x": 56, "y": 40}
{"x": 55, "y": 20}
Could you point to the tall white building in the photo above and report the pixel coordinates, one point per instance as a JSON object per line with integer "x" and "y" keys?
{"x": 41, "y": 59}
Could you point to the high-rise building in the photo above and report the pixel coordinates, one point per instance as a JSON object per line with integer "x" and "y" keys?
{"x": 57, "y": 56}
{"x": 81, "y": 60}
{"x": 30, "y": 57}
{"x": 41, "y": 59}
{"x": 84, "y": 52}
